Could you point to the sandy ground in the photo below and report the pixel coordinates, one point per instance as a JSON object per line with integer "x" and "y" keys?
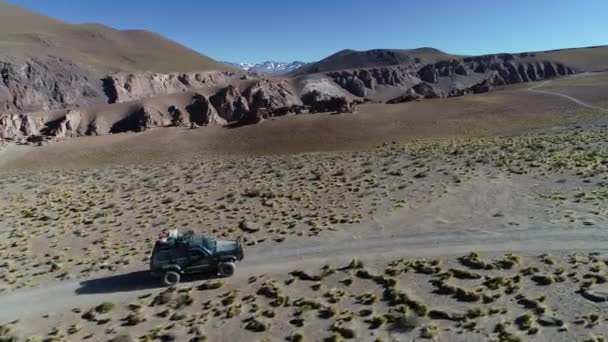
{"x": 78, "y": 219}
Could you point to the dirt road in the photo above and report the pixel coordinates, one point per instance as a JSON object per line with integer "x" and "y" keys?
{"x": 573, "y": 99}
{"x": 133, "y": 282}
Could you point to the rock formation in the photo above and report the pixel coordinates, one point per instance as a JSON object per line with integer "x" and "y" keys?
{"x": 447, "y": 78}
{"x": 202, "y": 112}
{"x": 230, "y": 104}
{"x": 30, "y": 84}
{"x": 56, "y": 98}
{"x": 124, "y": 87}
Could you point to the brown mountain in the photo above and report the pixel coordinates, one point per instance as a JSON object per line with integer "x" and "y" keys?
{"x": 49, "y": 64}
{"x": 405, "y": 75}
{"x": 352, "y": 59}
{"x": 24, "y": 33}
{"x": 583, "y": 59}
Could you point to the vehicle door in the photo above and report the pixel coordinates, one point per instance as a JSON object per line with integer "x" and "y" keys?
{"x": 179, "y": 256}
{"x": 199, "y": 260}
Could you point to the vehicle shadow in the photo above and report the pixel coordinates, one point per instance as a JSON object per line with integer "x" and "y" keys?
{"x": 134, "y": 281}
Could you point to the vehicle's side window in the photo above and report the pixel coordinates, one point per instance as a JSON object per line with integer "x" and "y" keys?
{"x": 162, "y": 256}
{"x": 179, "y": 253}
{"x": 195, "y": 254}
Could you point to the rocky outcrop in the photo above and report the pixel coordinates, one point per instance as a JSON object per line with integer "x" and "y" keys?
{"x": 203, "y": 113}
{"x": 353, "y": 83}
{"x": 319, "y": 102}
{"x": 226, "y": 97}
{"x": 123, "y": 87}
{"x": 358, "y": 82}
{"x": 253, "y": 117}
{"x": 429, "y": 73}
{"x": 138, "y": 121}
{"x": 482, "y": 87}
{"x": 21, "y": 127}
{"x": 426, "y": 91}
{"x": 32, "y": 84}
{"x": 447, "y": 78}
{"x": 261, "y": 114}
{"x": 230, "y": 104}
{"x": 15, "y": 126}
{"x": 421, "y": 90}
{"x": 410, "y": 95}
{"x": 271, "y": 94}
{"x": 261, "y": 99}
{"x": 66, "y": 126}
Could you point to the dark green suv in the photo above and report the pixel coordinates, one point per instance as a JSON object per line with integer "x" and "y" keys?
{"x": 174, "y": 256}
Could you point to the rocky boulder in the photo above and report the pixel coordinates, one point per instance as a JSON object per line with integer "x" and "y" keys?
{"x": 202, "y": 112}
{"x": 136, "y": 121}
{"x": 19, "y": 126}
{"x": 271, "y": 94}
{"x": 410, "y": 95}
{"x": 229, "y": 103}
{"x": 482, "y": 87}
{"x": 352, "y": 83}
{"x": 319, "y": 102}
{"x": 124, "y": 87}
{"x": 178, "y": 118}
{"x": 253, "y": 117}
{"x": 359, "y": 82}
{"x": 66, "y": 126}
{"x": 429, "y": 74}
{"x": 426, "y": 91}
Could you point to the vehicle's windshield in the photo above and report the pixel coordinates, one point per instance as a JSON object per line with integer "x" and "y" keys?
{"x": 319, "y": 170}
{"x": 207, "y": 243}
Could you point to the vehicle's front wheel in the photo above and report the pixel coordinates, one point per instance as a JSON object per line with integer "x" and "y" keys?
{"x": 226, "y": 269}
{"x": 171, "y": 278}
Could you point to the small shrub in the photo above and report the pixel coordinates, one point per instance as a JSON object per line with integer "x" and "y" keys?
{"x": 466, "y": 296}
{"x": 376, "y": 322}
{"x": 255, "y": 325}
{"x": 543, "y": 280}
{"x": 476, "y": 313}
{"x": 104, "y": 308}
{"x": 345, "y": 332}
{"x": 525, "y": 322}
{"x": 429, "y": 332}
{"x": 328, "y": 312}
{"x": 134, "y": 318}
{"x": 463, "y": 274}
{"x": 211, "y": 285}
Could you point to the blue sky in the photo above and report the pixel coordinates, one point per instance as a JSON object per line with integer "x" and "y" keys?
{"x": 251, "y": 31}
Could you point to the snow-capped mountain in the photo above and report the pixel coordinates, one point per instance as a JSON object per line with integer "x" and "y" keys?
{"x": 268, "y": 67}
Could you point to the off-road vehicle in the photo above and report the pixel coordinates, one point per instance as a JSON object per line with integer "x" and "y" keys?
{"x": 177, "y": 254}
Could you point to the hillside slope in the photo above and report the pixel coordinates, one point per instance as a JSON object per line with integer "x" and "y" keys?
{"x": 589, "y": 59}
{"x": 24, "y": 33}
{"x": 48, "y": 64}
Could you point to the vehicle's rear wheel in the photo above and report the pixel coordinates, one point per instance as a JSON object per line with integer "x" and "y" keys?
{"x": 171, "y": 278}
{"x": 226, "y": 269}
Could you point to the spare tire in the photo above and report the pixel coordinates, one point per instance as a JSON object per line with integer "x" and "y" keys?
{"x": 226, "y": 269}
{"x": 171, "y": 278}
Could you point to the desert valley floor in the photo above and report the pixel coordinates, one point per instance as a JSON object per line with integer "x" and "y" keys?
{"x": 473, "y": 218}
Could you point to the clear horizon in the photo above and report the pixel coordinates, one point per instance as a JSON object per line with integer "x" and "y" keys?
{"x": 271, "y": 30}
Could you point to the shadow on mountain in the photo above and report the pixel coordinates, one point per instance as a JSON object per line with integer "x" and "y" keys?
{"x": 134, "y": 281}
